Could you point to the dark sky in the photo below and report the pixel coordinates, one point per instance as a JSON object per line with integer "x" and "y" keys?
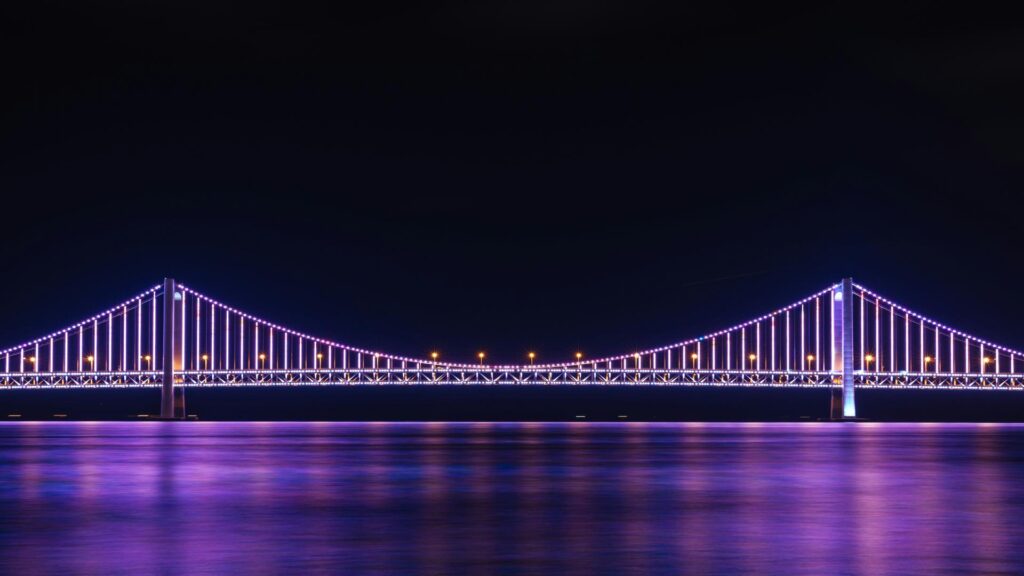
{"x": 510, "y": 175}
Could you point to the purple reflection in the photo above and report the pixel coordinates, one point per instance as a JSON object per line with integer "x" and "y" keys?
{"x": 485, "y": 498}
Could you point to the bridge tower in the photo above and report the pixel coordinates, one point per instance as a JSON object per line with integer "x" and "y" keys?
{"x": 842, "y": 348}
{"x": 172, "y": 400}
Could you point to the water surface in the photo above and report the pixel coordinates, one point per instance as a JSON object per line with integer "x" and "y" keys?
{"x": 510, "y": 498}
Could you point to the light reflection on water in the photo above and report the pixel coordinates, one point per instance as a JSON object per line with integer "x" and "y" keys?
{"x": 508, "y": 498}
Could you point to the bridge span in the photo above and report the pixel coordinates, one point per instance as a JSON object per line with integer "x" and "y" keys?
{"x": 841, "y": 338}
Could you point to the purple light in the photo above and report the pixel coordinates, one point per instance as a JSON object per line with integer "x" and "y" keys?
{"x": 598, "y": 364}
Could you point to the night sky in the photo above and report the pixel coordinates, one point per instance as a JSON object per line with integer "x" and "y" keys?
{"x": 510, "y": 176}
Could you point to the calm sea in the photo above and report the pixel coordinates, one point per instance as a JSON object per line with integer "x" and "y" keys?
{"x": 510, "y": 498}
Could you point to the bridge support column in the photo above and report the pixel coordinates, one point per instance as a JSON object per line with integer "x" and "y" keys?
{"x": 842, "y": 344}
{"x": 173, "y": 355}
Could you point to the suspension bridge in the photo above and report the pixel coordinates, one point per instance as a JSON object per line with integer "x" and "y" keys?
{"x": 841, "y": 338}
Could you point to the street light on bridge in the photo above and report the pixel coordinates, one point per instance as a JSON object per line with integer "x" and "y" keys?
{"x": 869, "y": 358}
{"x": 206, "y": 359}
{"x": 148, "y": 359}
{"x": 752, "y": 358}
{"x": 810, "y": 361}
{"x": 985, "y": 362}
{"x": 927, "y": 361}
{"x": 262, "y": 358}
{"x": 319, "y": 360}
{"x": 90, "y": 360}
{"x": 531, "y": 356}
{"x": 693, "y": 360}
{"x": 480, "y": 355}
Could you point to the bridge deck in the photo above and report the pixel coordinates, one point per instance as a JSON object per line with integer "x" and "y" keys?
{"x": 498, "y": 376}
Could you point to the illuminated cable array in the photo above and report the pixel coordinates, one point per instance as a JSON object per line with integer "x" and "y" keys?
{"x": 110, "y": 341}
{"x": 917, "y": 344}
{"x": 272, "y": 334}
{"x": 793, "y": 345}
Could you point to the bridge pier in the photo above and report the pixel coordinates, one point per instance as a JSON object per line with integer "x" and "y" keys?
{"x": 835, "y": 403}
{"x": 172, "y": 400}
{"x": 842, "y": 350}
